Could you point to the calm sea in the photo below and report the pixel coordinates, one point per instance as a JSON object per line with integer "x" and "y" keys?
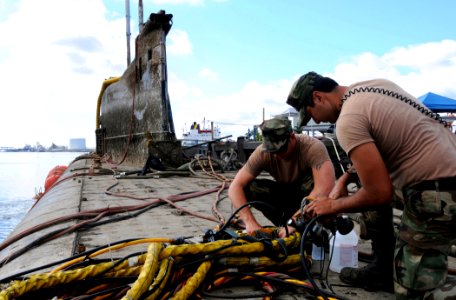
{"x": 22, "y": 175}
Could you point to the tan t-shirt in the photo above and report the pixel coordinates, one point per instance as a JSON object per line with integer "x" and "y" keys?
{"x": 413, "y": 146}
{"x": 309, "y": 153}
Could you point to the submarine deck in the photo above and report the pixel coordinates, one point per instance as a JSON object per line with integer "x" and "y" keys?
{"x": 89, "y": 207}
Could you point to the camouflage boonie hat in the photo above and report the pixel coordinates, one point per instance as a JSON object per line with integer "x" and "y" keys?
{"x": 300, "y": 95}
{"x": 276, "y": 133}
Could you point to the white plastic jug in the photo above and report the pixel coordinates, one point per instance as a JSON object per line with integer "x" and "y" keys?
{"x": 317, "y": 252}
{"x": 345, "y": 248}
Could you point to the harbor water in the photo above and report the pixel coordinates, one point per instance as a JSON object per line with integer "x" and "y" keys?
{"x": 22, "y": 175}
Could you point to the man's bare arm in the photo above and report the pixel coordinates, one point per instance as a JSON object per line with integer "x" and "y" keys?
{"x": 237, "y": 196}
{"x": 324, "y": 179}
{"x": 376, "y": 185}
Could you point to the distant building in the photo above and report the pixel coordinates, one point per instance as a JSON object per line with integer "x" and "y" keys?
{"x": 311, "y": 126}
{"x": 77, "y": 144}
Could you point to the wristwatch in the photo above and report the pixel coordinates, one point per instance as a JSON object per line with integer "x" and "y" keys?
{"x": 291, "y": 222}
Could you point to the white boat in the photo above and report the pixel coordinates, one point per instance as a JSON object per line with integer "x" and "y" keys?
{"x": 197, "y": 136}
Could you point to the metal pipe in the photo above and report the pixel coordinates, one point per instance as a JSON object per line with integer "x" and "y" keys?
{"x": 104, "y": 86}
{"x": 140, "y": 16}
{"x": 168, "y": 123}
{"x": 127, "y": 17}
{"x": 212, "y": 130}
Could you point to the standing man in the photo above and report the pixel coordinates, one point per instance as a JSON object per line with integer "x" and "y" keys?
{"x": 292, "y": 160}
{"x": 393, "y": 142}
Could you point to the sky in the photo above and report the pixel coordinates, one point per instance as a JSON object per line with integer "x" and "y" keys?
{"x": 230, "y": 62}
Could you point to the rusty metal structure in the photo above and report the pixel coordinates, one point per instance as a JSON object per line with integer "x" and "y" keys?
{"x": 134, "y": 116}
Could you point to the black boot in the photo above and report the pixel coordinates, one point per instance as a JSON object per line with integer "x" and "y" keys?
{"x": 377, "y": 275}
{"x": 372, "y": 277}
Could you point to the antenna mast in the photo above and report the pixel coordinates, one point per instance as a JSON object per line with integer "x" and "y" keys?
{"x": 127, "y": 17}
{"x": 140, "y": 16}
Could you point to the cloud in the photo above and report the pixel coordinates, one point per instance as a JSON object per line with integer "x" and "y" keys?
{"x": 53, "y": 69}
{"x": 236, "y": 111}
{"x": 208, "y": 74}
{"x": 178, "y": 2}
{"x": 178, "y": 43}
{"x": 422, "y": 68}
{"x": 184, "y": 2}
{"x": 84, "y": 44}
{"x": 428, "y": 55}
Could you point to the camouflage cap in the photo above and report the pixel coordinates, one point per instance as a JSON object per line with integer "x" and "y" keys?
{"x": 300, "y": 95}
{"x": 276, "y": 133}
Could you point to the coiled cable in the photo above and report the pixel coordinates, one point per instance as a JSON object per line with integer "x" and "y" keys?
{"x": 398, "y": 96}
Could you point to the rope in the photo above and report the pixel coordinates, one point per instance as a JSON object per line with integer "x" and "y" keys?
{"x": 110, "y": 211}
{"x": 215, "y": 211}
{"x": 216, "y": 176}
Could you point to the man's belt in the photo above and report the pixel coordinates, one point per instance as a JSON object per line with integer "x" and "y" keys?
{"x": 447, "y": 183}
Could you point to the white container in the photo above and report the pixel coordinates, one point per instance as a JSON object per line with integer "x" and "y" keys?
{"x": 317, "y": 252}
{"x": 345, "y": 248}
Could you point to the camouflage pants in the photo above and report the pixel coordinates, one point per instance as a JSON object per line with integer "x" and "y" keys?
{"x": 281, "y": 200}
{"x": 426, "y": 233}
{"x": 378, "y": 222}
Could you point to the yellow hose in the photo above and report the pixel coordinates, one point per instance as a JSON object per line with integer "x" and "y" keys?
{"x": 40, "y": 281}
{"x": 245, "y": 247}
{"x": 147, "y": 274}
{"x": 193, "y": 249}
{"x": 163, "y": 257}
{"x": 262, "y": 261}
{"x": 104, "y": 86}
{"x": 193, "y": 282}
{"x": 133, "y": 271}
{"x": 112, "y": 248}
{"x": 162, "y": 278}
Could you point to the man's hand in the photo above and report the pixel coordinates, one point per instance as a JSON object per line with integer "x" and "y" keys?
{"x": 251, "y": 227}
{"x": 321, "y": 206}
{"x": 340, "y": 189}
{"x": 283, "y": 233}
{"x": 238, "y": 198}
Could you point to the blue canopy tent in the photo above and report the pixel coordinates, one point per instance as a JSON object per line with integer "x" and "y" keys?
{"x": 438, "y": 103}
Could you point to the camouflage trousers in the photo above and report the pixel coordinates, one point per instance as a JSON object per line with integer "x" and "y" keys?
{"x": 426, "y": 233}
{"x": 279, "y": 201}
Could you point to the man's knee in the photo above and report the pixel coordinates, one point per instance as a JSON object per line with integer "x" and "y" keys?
{"x": 277, "y": 201}
{"x": 259, "y": 190}
{"x": 418, "y": 271}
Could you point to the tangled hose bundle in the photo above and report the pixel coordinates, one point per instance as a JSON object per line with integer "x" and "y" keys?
{"x": 170, "y": 270}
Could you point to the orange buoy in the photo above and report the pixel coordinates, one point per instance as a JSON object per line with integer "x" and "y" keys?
{"x": 53, "y": 176}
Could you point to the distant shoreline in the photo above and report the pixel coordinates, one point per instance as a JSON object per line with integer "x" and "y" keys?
{"x": 66, "y": 150}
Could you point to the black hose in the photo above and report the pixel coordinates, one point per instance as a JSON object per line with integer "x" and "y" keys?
{"x": 233, "y": 215}
{"x": 304, "y": 265}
